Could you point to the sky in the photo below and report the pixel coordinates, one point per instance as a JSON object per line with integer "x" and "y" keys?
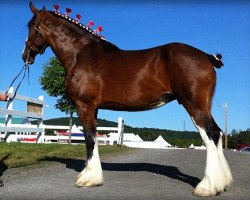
{"x": 211, "y": 26}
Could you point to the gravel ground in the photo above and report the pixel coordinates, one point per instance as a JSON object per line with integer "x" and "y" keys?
{"x": 144, "y": 174}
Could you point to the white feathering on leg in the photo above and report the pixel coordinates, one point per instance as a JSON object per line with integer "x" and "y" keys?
{"x": 92, "y": 174}
{"x": 224, "y": 164}
{"x": 214, "y": 180}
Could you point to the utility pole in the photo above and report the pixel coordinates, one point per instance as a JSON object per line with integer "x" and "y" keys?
{"x": 226, "y": 116}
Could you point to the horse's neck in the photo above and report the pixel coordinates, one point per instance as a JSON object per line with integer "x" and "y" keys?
{"x": 67, "y": 47}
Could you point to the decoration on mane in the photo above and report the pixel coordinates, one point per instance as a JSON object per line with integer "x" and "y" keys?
{"x": 99, "y": 29}
{"x": 77, "y": 21}
{"x": 91, "y": 23}
{"x": 56, "y": 7}
{"x": 66, "y": 14}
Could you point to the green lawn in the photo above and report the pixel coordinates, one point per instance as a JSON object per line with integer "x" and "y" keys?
{"x": 21, "y": 154}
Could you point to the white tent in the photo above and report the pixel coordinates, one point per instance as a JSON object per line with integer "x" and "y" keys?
{"x": 202, "y": 147}
{"x": 129, "y": 137}
{"x": 197, "y": 147}
{"x": 163, "y": 142}
{"x": 75, "y": 129}
{"x": 138, "y": 138}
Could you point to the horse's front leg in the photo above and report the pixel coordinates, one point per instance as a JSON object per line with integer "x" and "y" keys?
{"x": 92, "y": 173}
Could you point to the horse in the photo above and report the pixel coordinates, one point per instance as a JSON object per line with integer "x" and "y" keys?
{"x": 141, "y": 80}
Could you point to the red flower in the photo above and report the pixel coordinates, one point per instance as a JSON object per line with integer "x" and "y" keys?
{"x": 56, "y": 7}
{"x": 91, "y": 23}
{"x": 99, "y": 28}
{"x": 78, "y": 16}
{"x": 68, "y": 10}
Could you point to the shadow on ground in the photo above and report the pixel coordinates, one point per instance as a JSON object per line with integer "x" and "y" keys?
{"x": 3, "y": 167}
{"x": 168, "y": 171}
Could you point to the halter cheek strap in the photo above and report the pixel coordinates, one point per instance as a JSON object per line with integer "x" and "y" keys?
{"x": 34, "y": 48}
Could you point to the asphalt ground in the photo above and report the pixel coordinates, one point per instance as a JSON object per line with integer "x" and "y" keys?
{"x": 143, "y": 174}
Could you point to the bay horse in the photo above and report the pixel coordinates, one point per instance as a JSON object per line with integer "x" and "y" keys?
{"x": 99, "y": 75}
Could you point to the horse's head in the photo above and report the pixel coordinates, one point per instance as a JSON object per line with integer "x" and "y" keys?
{"x": 35, "y": 43}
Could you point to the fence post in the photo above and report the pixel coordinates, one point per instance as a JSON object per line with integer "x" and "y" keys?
{"x": 9, "y": 107}
{"x": 8, "y": 118}
{"x": 120, "y": 131}
{"x": 40, "y": 136}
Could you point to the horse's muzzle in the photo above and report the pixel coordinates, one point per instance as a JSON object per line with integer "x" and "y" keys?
{"x": 28, "y": 56}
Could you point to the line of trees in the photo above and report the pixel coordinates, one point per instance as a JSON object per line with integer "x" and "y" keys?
{"x": 238, "y": 137}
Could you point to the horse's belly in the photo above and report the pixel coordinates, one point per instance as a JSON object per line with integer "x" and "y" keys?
{"x": 137, "y": 105}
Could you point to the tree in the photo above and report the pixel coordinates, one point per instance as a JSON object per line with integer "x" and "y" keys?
{"x": 52, "y": 81}
{"x": 239, "y": 137}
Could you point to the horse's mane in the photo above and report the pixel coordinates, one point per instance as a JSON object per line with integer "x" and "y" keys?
{"x": 32, "y": 21}
{"x": 78, "y": 27}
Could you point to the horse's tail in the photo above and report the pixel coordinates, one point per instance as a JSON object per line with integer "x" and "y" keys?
{"x": 216, "y": 60}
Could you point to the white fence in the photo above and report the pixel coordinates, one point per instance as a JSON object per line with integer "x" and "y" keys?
{"x": 18, "y": 132}
{"x": 34, "y": 111}
{"x": 118, "y": 130}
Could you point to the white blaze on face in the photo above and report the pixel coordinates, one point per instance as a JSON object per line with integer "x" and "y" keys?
{"x": 24, "y": 45}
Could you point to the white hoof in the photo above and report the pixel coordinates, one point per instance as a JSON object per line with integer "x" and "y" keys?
{"x": 205, "y": 189}
{"x": 229, "y": 178}
{"x": 89, "y": 179}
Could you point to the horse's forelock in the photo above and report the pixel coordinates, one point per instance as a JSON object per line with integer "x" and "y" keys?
{"x": 32, "y": 21}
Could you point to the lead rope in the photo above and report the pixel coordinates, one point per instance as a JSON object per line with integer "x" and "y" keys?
{"x": 25, "y": 68}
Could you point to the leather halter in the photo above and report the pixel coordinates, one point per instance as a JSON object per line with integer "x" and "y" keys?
{"x": 30, "y": 46}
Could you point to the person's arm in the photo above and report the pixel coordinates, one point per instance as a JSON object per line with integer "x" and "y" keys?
{"x": 4, "y": 97}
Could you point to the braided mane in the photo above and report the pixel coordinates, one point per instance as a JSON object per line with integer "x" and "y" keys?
{"x": 74, "y": 24}
{"x": 80, "y": 25}
{"x": 107, "y": 45}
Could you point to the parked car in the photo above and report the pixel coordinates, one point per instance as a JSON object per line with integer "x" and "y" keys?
{"x": 246, "y": 149}
{"x": 241, "y": 146}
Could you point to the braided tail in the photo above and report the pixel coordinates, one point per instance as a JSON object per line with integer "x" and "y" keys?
{"x": 216, "y": 60}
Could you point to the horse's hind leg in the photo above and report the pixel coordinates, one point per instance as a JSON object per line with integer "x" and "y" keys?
{"x": 227, "y": 172}
{"x": 92, "y": 173}
{"x": 217, "y": 172}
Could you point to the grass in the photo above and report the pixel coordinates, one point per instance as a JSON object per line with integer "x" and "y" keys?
{"x": 21, "y": 154}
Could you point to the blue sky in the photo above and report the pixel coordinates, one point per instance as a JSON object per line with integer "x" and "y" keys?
{"x": 212, "y": 26}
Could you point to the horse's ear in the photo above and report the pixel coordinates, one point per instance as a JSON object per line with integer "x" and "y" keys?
{"x": 44, "y": 9}
{"x": 33, "y": 9}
